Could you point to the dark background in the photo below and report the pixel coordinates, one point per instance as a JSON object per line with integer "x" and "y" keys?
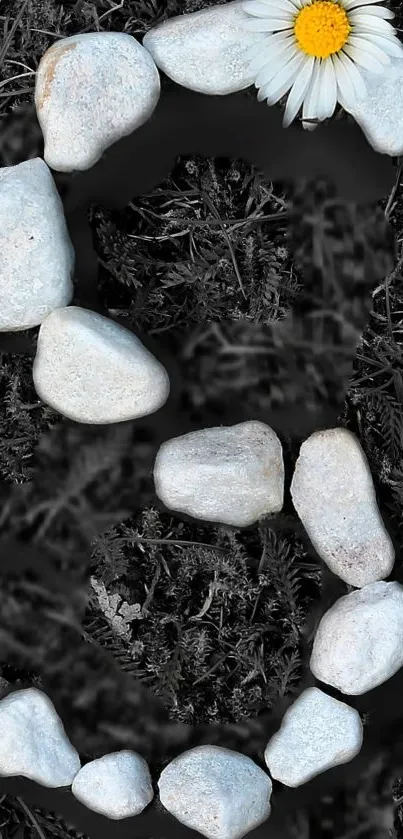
{"x": 204, "y": 264}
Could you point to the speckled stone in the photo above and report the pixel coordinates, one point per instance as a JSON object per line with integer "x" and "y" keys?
{"x": 36, "y": 254}
{"x": 118, "y": 785}
{"x": 359, "y": 640}
{"x": 380, "y": 112}
{"x": 91, "y": 90}
{"x": 333, "y": 493}
{"x": 316, "y": 734}
{"x": 93, "y": 370}
{"x": 218, "y": 792}
{"x": 205, "y": 50}
{"x": 232, "y": 474}
{"x": 33, "y": 741}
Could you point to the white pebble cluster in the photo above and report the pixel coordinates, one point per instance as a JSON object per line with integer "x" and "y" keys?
{"x": 91, "y": 90}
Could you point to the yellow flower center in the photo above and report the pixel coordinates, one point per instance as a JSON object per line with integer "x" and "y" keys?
{"x": 322, "y": 28}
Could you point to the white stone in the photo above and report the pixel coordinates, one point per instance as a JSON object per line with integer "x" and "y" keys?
{"x": 359, "y": 640}
{"x": 218, "y": 792}
{"x": 233, "y": 474}
{"x": 36, "y": 254}
{"x": 118, "y": 785}
{"x": 333, "y": 493}
{"x": 380, "y": 112}
{"x": 316, "y": 734}
{"x": 205, "y": 50}
{"x": 93, "y": 370}
{"x": 33, "y": 741}
{"x": 91, "y": 90}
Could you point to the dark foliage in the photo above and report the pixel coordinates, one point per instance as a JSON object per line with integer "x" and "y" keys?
{"x": 218, "y": 316}
{"x": 86, "y": 480}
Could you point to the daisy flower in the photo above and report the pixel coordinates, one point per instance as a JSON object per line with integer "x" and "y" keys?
{"x": 316, "y": 48}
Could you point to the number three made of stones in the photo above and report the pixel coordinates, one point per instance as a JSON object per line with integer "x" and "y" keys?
{"x": 342, "y": 245}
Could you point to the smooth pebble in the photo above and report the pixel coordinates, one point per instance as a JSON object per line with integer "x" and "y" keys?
{"x": 36, "y": 253}
{"x": 380, "y": 112}
{"x": 359, "y": 641}
{"x": 334, "y": 495}
{"x": 218, "y": 792}
{"x": 205, "y": 50}
{"x": 317, "y": 733}
{"x": 118, "y": 785}
{"x": 93, "y": 370}
{"x": 91, "y": 90}
{"x": 232, "y": 474}
{"x": 33, "y": 741}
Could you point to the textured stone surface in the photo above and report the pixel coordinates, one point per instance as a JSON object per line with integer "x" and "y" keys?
{"x": 93, "y": 370}
{"x": 33, "y": 741}
{"x": 205, "y": 50}
{"x": 219, "y": 792}
{"x": 317, "y": 733}
{"x": 91, "y": 90}
{"x": 333, "y": 493}
{"x": 380, "y": 112}
{"x": 232, "y": 474}
{"x": 118, "y": 785}
{"x": 359, "y": 641}
{"x": 36, "y": 254}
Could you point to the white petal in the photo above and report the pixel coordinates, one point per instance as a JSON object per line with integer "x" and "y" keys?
{"x": 354, "y": 74}
{"x": 285, "y": 79}
{"x": 369, "y": 47}
{"x": 268, "y": 5}
{"x": 296, "y": 4}
{"x": 376, "y": 11}
{"x": 259, "y": 25}
{"x": 261, "y": 95}
{"x": 257, "y": 48}
{"x": 328, "y": 90}
{"x": 272, "y": 48}
{"x": 309, "y": 108}
{"x": 345, "y": 85}
{"x": 391, "y": 46}
{"x": 264, "y": 42}
{"x": 364, "y": 59}
{"x": 298, "y": 91}
{"x": 275, "y": 63}
{"x": 352, "y": 4}
{"x": 257, "y": 8}
{"x": 373, "y": 24}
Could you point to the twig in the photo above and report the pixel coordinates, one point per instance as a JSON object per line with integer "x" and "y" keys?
{"x": 20, "y": 76}
{"x": 31, "y": 817}
{"x": 389, "y": 208}
{"x": 179, "y": 542}
{"x": 150, "y": 591}
{"x": 234, "y": 262}
{"x": 8, "y": 39}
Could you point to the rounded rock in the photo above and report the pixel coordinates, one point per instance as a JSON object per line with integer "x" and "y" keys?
{"x": 36, "y": 253}
{"x": 118, "y": 785}
{"x": 316, "y": 734}
{"x": 205, "y": 51}
{"x": 333, "y": 493}
{"x": 380, "y": 112}
{"x": 233, "y": 474}
{"x": 39, "y": 751}
{"x": 218, "y": 792}
{"x": 91, "y": 90}
{"x": 359, "y": 641}
{"x": 93, "y": 370}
